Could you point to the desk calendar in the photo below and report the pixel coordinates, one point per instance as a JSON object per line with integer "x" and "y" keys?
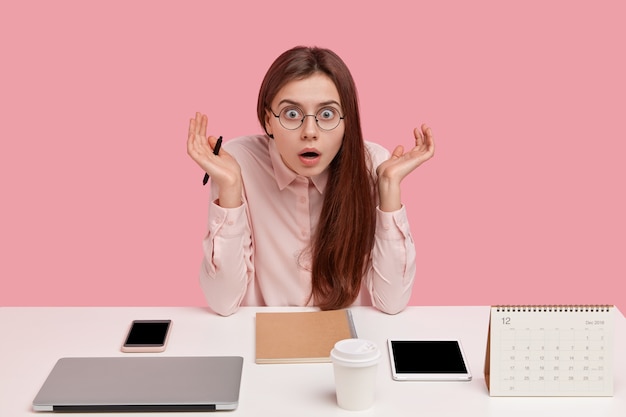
{"x": 550, "y": 351}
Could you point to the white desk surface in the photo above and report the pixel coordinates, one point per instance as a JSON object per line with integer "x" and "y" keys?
{"x": 33, "y": 338}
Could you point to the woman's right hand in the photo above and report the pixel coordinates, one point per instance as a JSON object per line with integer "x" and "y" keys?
{"x": 223, "y": 168}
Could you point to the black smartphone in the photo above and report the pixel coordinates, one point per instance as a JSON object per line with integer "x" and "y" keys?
{"x": 147, "y": 336}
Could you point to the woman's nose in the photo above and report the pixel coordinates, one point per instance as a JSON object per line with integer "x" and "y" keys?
{"x": 309, "y": 127}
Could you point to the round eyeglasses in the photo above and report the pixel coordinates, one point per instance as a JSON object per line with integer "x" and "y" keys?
{"x": 292, "y": 117}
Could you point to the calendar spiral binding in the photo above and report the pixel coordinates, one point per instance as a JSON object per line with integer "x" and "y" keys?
{"x": 574, "y": 308}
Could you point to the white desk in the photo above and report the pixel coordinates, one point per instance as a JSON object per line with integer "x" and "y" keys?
{"x": 33, "y": 338}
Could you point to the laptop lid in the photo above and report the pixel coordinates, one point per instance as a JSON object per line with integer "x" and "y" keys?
{"x": 123, "y": 384}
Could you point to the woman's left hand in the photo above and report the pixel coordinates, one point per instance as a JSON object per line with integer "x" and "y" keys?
{"x": 400, "y": 164}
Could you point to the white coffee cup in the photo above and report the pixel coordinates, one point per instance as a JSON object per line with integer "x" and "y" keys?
{"x": 355, "y": 364}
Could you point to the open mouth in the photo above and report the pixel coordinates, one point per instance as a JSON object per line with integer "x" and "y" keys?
{"x": 309, "y": 155}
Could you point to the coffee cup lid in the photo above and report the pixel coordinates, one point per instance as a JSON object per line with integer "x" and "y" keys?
{"x": 355, "y": 352}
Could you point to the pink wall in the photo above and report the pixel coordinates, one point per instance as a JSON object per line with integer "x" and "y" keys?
{"x": 523, "y": 203}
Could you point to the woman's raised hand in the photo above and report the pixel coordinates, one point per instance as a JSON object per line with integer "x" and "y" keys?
{"x": 400, "y": 164}
{"x": 223, "y": 168}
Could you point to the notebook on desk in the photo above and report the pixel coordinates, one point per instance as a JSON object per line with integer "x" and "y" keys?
{"x": 125, "y": 384}
{"x": 301, "y": 336}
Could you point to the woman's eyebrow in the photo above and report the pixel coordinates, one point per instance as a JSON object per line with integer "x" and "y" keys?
{"x": 287, "y": 101}
{"x": 329, "y": 102}
{"x": 295, "y": 103}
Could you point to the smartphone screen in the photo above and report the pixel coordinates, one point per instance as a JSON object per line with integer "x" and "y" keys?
{"x": 147, "y": 336}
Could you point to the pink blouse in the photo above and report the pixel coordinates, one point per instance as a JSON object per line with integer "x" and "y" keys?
{"x": 256, "y": 254}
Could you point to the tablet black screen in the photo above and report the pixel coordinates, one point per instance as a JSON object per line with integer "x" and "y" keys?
{"x": 428, "y": 357}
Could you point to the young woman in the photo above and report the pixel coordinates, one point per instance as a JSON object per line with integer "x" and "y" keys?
{"x": 309, "y": 213}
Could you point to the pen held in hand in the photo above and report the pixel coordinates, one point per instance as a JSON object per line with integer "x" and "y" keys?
{"x": 216, "y": 151}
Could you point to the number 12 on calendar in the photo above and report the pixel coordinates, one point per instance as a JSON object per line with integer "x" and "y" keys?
{"x": 550, "y": 351}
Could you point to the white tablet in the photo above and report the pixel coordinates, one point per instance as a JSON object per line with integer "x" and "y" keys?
{"x": 428, "y": 360}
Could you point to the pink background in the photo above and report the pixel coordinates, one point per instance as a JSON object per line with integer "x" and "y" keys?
{"x": 523, "y": 203}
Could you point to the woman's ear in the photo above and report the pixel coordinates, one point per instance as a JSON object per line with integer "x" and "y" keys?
{"x": 268, "y": 127}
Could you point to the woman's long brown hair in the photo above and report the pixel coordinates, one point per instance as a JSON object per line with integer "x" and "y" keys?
{"x": 342, "y": 244}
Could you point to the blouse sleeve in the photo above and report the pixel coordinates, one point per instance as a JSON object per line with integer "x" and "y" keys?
{"x": 390, "y": 280}
{"x": 227, "y": 265}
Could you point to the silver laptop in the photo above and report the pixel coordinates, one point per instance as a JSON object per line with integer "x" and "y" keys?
{"x": 124, "y": 384}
